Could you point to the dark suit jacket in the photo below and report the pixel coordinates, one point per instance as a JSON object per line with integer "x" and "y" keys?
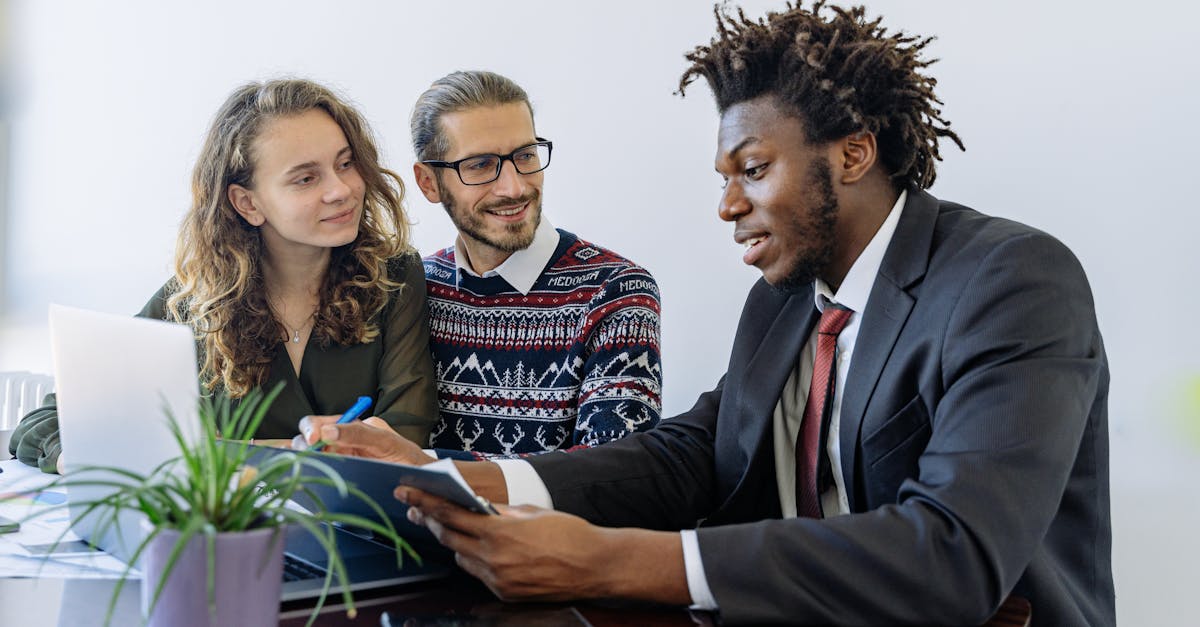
{"x": 974, "y": 443}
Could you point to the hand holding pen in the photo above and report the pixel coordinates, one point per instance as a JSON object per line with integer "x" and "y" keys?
{"x": 351, "y": 414}
{"x": 371, "y": 437}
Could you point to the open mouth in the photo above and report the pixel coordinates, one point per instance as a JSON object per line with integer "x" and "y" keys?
{"x": 509, "y": 213}
{"x": 754, "y": 248}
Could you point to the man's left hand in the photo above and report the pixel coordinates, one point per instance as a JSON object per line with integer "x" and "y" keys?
{"x": 529, "y": 553}
{"x": 525, "y": 553}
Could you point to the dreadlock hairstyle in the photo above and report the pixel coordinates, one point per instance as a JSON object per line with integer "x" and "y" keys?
{"x": 840, "y": 73}
{"x": 218, "y": 285}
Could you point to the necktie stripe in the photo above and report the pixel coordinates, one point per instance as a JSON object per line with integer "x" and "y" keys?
{"x": 820, "y": 393}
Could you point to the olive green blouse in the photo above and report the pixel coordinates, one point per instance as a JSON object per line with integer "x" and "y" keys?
{"x": 395, "y": 369}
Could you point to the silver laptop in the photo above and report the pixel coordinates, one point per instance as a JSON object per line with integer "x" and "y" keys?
{"x": 115, "y": 377}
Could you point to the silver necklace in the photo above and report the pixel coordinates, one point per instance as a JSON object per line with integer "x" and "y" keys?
{"x": 296, "y": 331}
{"x": 295, "y": 339}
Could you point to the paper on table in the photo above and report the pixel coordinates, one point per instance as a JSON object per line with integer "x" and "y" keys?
{"x": 27, "y": 553}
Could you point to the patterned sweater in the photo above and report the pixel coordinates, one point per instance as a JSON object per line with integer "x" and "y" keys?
{"x": 575, "y": 362}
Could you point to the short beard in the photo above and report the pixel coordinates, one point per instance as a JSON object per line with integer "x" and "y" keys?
{"x": 820, "y": 222}
{"x": 514, "y": 237}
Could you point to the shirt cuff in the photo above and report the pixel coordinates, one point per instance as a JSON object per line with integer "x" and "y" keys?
{"x": 702, "y": 598}
{"x": 430, "y": 452}
{"x": 524, "y": 485}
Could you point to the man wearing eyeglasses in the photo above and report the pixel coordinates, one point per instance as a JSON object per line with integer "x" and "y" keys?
{"x": 541, "y": 341}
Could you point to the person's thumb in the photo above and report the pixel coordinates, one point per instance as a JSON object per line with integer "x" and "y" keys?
{"x": 377, "y": 422}
{"x": 350, "y": 436}
{"x": 331, "y": 433}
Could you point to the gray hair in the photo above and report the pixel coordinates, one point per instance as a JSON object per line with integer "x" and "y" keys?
{"x": 455, "y": 92}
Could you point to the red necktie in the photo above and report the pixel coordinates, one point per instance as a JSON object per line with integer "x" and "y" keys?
{"x": 820, "y": 392}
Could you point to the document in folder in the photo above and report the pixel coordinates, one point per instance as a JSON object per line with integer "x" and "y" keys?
{"x": 379, "y": 480}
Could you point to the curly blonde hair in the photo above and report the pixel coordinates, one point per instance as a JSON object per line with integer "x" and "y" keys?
{"x": 218, "y": 286}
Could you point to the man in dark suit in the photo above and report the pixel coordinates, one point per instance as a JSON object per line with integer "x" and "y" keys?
{"x": 913, "y": 424}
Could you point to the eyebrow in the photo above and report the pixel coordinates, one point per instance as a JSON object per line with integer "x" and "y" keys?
{"x": 732, "y": 153}
{"x": 741, "y": 145}
{"x": 312, "y": 164}
{"x": 524, "y": 144}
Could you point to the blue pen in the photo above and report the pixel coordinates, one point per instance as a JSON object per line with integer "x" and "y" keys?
{"x": 354, "y": 412}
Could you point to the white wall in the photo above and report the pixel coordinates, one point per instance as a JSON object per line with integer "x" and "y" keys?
{"x": 1078, "y": 118}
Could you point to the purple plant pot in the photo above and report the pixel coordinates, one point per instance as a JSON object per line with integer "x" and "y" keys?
{"x": 249, "y": 576}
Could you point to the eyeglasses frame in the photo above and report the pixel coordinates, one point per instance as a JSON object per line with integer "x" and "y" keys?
{"x": 454, "y": 165}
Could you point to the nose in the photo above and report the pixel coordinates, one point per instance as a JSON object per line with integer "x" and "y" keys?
{"x": 339, "y": 187}
{"x": 734, "y": 203}
{"x": 510, "y": 183}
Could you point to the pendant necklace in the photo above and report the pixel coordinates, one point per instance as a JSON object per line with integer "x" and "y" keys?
{"x": 295, "y": 339}
{"x": 297, "y": 330}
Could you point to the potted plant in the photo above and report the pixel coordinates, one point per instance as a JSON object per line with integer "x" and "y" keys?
{"x": 215, "y": 522}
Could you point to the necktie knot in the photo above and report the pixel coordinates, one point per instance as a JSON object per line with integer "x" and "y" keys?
{"x": 833, "y": 319}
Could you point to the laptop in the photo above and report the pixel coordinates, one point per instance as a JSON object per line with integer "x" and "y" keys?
{"x": 115, "y": 375}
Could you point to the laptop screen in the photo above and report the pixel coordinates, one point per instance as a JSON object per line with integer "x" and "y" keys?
{"x": 117, "y": 377}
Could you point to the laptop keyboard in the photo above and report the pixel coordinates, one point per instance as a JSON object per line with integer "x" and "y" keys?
{"x": 295, "y": 569}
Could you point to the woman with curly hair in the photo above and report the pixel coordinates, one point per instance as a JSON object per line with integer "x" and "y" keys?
{"x": 293, "y": 265}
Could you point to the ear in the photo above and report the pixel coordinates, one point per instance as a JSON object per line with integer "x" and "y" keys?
{"x": 858, "y": 155}
{"x": 243, "y": 202}
{"x": 427, "y": 181}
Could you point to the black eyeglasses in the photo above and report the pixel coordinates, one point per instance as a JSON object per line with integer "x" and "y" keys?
{"x": 483, "y": 169}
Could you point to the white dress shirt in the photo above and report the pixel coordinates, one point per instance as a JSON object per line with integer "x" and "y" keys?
{"x": 522, "y": 268}
{"x": 524, "y": 486}
{"x": 853, "y": 294}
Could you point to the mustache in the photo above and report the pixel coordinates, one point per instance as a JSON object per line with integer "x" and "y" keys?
{"x": 528, "y": 197}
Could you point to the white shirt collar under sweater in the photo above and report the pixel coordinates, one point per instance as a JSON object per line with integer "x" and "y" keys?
{"x": 523, "y": 267}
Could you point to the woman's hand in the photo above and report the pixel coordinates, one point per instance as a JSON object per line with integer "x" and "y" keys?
{"x": 371, "y": 438}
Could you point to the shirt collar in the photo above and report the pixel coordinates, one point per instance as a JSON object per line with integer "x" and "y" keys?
{"x": 856, "y": 287}
{"x": 522, "y": 268}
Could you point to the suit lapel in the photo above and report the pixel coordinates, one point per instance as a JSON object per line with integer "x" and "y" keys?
{"x": 887, "y": 309}
{"x": 768, "y": 370}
